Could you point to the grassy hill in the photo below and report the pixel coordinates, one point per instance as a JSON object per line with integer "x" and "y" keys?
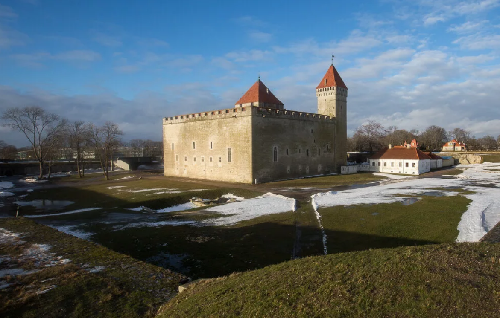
{"x": 445, "y": 280}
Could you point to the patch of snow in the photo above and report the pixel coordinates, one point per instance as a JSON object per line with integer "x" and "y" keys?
{"x": 6, "y": 194}
{"x": 116, "y": 187}
{"x": 248, "y": 209}
{"x": 391, "y": 176}
{"x": 43, "y": 291}
{"x": 44, "y": 203}
{"x": 148, "y": 190}
{"x": 152, "y": 224}
{"x": 96, "y": 269}
{"x": 127, "y": 177}
{"x": 63, "y": 213}
{"x": 318, "y": 217}
{"x": 11, "y": 272}
{"x": 5, "y": 285}
{"x": 6, "y": 185}
{"x": 72, "y": 230}
{"x": 139, "y": 209}
{"x": 197, "y": 190}
{"x": 233, "y": 197}
{"x": 8, "y": 237}
{"x": 179, "y": 207}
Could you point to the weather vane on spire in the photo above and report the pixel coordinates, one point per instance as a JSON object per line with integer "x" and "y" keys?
{"x": 332, "y": 58}
{"x": 259, "y": 76}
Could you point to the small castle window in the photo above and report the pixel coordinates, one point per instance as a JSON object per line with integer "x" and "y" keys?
{"x": 202, "y": 159}
{"x": 275, "y": 154}
{"x": 307, "y": 152}
{"x": 194, "y": 145}
{"x": 312, "y": 130}
{"x": 220, "y": 159}
{"x": 211, "y": 145}
{"x": 185, "y": 158}
{"x": 228, "y": 154}
{"x": 172, "y": 146}
{"x": 176, "y": 157}
{"x": 319, "y": 151}
{"x": 287, "y": 151}
{"x": 211, "y": 159}
{"x": 194, "y": 159}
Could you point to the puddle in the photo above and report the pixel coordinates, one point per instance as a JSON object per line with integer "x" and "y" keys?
{"x": 45, "y": 204}
{"x": 408, "y": 201}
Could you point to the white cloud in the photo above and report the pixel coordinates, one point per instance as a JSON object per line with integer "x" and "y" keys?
{"x": 7, "y": 12}
{"x": 467, "y": 27}
{"x": 10, "y": 38}
{"x": 36, "y": 59}
{"x": 251, "y": 55}
{"x": 479, "y": 42}
{"x": 107, "y": 40}
{"x": 260, "y": 36}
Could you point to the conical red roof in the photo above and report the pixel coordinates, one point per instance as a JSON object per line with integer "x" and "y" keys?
{"x": 259, "y": 93}
{"x": 331, "y": 78}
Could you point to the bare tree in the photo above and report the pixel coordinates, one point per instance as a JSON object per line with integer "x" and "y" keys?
{"x": 498, "y": 142}
{"x": 488, "y": 143}
{"x": 8, "y": 152}
{"x": 434, "y": 137}
{"x": 106, "y": 140}
{"x": 459, "y": 134}
{"x": 369, "y": 136}
{"x": 398, "y": 137}
{"x": 79, "y": 135}
{"x": 38, "y": 126}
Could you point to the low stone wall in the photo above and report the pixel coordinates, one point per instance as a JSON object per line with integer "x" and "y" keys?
{"x": 467, "y": 159}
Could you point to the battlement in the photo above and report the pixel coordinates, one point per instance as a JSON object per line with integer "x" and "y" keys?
{"x": 246, "y": 111}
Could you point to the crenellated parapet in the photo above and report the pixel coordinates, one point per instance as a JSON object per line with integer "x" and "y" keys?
{"x": 247, "y": 111}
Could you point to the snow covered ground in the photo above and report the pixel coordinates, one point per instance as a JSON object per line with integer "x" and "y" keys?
{"x": 481, "y": 216}
{"x": 248, "y": 209}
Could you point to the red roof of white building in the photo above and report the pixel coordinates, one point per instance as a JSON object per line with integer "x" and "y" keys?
{"x": 331, "y": 78}
{"x": 259, "y": 93}
{"x": 454, "y": 142}
{"x": 400, "y": 152}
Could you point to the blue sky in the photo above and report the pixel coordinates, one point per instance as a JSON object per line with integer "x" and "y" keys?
{"x": 409, "y": 64}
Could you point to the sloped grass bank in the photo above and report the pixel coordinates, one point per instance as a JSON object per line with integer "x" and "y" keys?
{"x": 97, "y": 282}
{"x": 445, "y": 280}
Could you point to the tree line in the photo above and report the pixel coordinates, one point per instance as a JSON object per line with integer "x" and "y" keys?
{"x": 48, "y": 133}
{"x": 372, "y": 136}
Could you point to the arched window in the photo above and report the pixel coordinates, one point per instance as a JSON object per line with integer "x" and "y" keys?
{"x": 275, "y": 154}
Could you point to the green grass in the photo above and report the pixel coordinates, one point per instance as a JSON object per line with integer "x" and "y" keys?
{"x": 125, "y": 288}
{"x": 493, "y": 157}
{"x": 328, "y": 181}
{"x": 359, "y": 227}
{"x": 446, "y": 280}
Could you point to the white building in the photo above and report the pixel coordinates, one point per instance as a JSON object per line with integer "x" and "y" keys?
{"x": 400, "y": 159}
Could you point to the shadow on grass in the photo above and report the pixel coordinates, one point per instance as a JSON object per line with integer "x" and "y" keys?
{"x": 210, "y": 251}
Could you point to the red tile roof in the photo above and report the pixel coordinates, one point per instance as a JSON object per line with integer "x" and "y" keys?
{"x": 259, "y": 93}
{"x": 331, "y": 78}
{"x": 454, "y": 142}
{"x": 400, "y": 153}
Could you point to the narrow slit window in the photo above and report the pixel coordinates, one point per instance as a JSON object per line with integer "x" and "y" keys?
{"x": 194, "y": 145}
{"x": 275, "y": 154}
{"x": 228, "y": 154}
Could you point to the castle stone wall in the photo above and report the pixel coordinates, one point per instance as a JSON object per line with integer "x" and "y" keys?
{"x": 303, "y": 143}
{"x": 212, "y": 133}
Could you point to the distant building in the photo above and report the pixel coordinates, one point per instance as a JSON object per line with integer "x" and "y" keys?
{"x": 400, "y": 159}
{"x": 454, "y": 145}
{"x": 436, "y": 161}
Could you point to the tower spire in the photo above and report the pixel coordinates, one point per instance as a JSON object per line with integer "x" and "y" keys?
{"x": 332, "y": 58}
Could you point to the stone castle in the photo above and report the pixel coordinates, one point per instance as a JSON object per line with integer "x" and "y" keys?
{"x": 259, "y": 140}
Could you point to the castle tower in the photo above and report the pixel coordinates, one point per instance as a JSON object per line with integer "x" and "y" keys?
{"x": 332, "y": 101}
{"x": 259, "y": 96}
